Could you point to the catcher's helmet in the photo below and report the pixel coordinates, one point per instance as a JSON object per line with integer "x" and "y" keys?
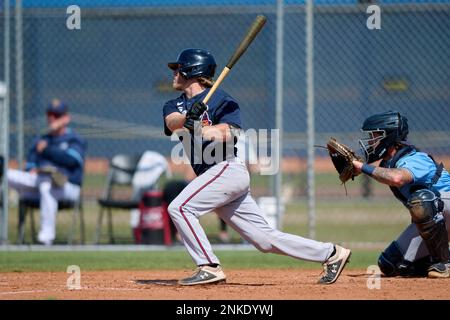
{"x": 382, "y": 130}
{"x": 193, "y": 63}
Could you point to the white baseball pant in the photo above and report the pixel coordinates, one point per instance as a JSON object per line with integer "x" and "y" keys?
{"x": 224, "y": 188}
{"x": 34, "y": 186}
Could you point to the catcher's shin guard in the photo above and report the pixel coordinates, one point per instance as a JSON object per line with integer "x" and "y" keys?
{"x": 426, "y": 212}
{"x": 389, "y": 260}
{"x": 418, "y": 268}
{"x": 392, "y": 263}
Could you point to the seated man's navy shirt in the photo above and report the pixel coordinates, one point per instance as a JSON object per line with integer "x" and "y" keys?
{"x": 65, "y": 152}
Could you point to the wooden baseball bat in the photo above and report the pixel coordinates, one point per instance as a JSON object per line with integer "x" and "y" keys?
{"x": 257, "y": 25}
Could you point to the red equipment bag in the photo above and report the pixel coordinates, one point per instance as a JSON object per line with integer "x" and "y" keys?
{"x": 153, "y": 227}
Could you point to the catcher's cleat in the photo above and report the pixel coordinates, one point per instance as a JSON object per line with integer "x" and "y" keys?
{"x": 334, "y": 265}
{"x": 438, "y": 270}
{"x": 204, "y": 275}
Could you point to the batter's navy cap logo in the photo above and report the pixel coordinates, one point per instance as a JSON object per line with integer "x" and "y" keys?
{"x": 57, "y": 107}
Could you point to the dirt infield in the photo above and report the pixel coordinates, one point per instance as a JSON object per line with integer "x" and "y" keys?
{"x": 246, "y": 284}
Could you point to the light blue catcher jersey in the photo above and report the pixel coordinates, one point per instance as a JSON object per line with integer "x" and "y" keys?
{"x": 422, "y": 168}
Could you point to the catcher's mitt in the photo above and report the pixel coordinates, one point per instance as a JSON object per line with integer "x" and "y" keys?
{"x": 342, "y": 157}
{"x": 58, "y": 179}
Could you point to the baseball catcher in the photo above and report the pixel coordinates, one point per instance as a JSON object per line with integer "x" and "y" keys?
{"x": 342, "y": 157}
{"x": 421, "y": 184}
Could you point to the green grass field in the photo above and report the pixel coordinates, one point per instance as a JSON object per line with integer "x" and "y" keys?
{"x": 339, "y": 218}
{"x": 58, "y": 261}
{"x": 336, "y": 221}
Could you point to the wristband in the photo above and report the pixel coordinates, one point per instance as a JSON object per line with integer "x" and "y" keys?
{"x": 367, "y": 169}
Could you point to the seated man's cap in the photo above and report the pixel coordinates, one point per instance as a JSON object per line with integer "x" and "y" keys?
{"x": 57, "y": 107}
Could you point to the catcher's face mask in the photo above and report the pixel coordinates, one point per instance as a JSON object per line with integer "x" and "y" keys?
{"x": 372, "y": 146}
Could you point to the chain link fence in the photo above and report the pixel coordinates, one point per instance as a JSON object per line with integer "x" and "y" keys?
{"x": 403, "y": 66}
{"x": 113, "y": 71}
{"x": 113, "y": 74}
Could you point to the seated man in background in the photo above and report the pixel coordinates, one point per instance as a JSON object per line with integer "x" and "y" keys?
{"x": 54, "y": 169}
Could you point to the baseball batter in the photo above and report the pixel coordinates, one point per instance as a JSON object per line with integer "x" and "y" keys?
{"x": 222, "y": 183}
{"x": 422, "y": 185}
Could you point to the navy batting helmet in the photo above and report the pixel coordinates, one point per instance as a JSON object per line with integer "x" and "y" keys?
{"x": 194, "y": 63}
{"x": 382, "y": 130}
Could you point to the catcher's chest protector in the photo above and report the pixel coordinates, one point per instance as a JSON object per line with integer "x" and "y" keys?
{"x": 400, "y": 154}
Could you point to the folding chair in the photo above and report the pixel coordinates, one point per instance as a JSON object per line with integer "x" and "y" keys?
{"x": 29, "y": 205}
{"x": 125, "y": 171}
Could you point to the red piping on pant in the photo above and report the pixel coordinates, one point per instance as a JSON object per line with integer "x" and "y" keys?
{"x": 187, "y": 200}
